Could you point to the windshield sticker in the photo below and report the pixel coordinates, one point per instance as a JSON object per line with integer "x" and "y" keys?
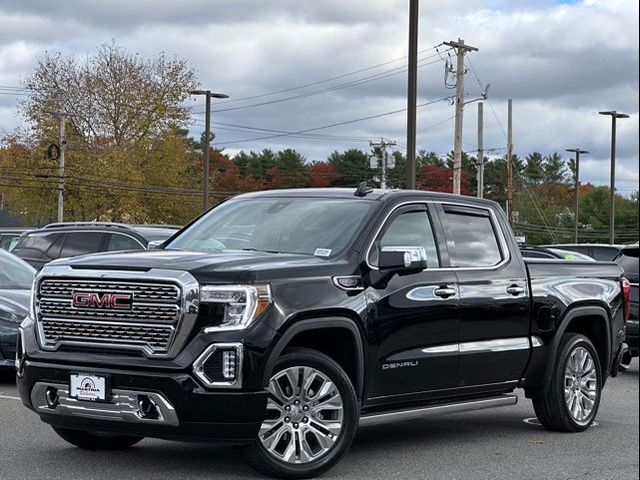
{"x": 322, "y": 252}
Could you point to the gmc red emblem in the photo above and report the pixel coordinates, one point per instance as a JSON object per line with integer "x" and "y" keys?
{"x": 113, "y": 301}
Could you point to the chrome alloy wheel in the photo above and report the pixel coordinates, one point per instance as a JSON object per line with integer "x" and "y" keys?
{"x": 580, "y": 385}
{"x": 304, "y": 415}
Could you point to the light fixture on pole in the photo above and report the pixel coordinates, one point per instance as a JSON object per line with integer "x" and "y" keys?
{"x": 576, "y": 179}
{"x": 612, "y": 192}
{"x": 207, "y": 139}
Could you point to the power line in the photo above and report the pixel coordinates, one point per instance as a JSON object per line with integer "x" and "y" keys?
{"x": 362, "y": 81}
{"x": 326, "y": 80}
{"x": 337, "y": 124}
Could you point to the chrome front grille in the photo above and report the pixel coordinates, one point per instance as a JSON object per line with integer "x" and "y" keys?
{"x": 54, "y": 288}
{"x": 62, "y": 308}
{"x": 150, "y": 322}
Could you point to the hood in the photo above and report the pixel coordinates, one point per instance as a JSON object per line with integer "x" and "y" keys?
{"x": 230, "y": 267}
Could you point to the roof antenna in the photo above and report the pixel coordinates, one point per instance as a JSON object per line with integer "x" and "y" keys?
{"x": 363, "y": 190}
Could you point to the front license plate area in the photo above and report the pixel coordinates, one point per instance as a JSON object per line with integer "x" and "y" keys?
{"x": 88, "y": 387}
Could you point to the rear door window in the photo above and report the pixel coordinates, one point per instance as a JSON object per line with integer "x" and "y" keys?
{"x": 473, "y": 237}
{"x": 80, "y": 243}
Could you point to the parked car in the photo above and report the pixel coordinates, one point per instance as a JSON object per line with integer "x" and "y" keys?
{"x": 529, "y": 251}
{"x": 285, "y": 320}
{"x": 9, "y": 237}
{"x": 628, "y": 259}
{"x": 62, "y": 240}
{"x": 597, "y": 251}
{"x": 16, "y": 278}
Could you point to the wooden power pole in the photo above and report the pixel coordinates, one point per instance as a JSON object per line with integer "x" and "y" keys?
{"x": 461, "y": 50}
{"x": 509, "y": 163}
{"x": 412, "y": 93}
{"x": 480, "y": 165}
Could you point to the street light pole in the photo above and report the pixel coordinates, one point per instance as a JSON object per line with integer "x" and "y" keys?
{"x": 576, "y": 179}
{"x": 207, "y": 139}
{"x": 612, "y": 189}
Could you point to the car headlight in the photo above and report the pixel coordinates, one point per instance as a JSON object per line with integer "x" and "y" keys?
{"x": 10, "y": 316}
{"x": 236, "y": 305}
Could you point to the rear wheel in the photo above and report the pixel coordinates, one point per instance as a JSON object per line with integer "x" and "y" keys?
{"x": 96, "y": 441}
{"x": 573, "y": 398}
{"x": 312, "y": 415}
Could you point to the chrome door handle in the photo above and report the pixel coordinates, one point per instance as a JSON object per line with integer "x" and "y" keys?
{"x": 444, "y": 292}
{"x": 515, "y": 290}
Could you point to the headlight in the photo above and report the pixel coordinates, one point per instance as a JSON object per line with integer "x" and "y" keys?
{"x": 10, "y": 316}
{"x": 239, "y": 304}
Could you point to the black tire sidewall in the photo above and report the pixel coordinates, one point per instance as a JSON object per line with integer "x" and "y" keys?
{"x": 311, "y": 358}
{"x": 573, "y": 342}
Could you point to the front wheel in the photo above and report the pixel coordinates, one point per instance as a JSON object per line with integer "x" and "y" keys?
{"x": 572, "y": 400}
{"x": 312, "y": 416}
{"x": 96, "y": 441}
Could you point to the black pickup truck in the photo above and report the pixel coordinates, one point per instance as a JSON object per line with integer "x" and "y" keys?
{"x": 284, "y": 320}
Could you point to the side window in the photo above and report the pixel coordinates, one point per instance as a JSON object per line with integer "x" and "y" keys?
{"x": 474, "y": 239}
{"x": 122, "y": 242}
{"x": 38, "y": 241}
{"x": 410, "y": 229}
{"x": 80, "y": 243}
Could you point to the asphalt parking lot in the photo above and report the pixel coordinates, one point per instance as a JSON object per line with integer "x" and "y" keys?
{"x": 490, "y": 444}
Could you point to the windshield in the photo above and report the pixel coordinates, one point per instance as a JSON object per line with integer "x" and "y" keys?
{"x": 310, "y": 226}
{"x": 14, "y": 273}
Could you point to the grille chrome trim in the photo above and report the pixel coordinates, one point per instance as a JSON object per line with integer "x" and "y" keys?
{"x": 139, "y": 329}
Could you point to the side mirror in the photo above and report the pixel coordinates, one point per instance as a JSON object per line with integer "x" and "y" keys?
{"x": 155, "y": 244}
{"x": 402, "y": 259}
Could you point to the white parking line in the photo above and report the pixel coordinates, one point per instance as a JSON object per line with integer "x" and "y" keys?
{"x": 9, "y": 397}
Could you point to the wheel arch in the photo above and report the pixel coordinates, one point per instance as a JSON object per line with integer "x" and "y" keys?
{"x": 313, "y": 333}
{"x": 591, "y": 321}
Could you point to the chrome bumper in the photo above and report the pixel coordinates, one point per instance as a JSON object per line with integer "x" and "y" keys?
{"x": 124, "y": 406}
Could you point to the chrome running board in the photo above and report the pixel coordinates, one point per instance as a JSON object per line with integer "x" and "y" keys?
{"x": 439, "y": 409}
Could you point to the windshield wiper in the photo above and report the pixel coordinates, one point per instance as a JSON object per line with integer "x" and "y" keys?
{"x": 259, "y": 250}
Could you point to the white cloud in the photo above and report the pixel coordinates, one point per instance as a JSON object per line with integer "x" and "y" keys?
{"x": 561, "y": 63}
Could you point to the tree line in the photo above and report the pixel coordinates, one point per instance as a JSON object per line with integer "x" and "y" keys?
{"x": 129, "y": 157}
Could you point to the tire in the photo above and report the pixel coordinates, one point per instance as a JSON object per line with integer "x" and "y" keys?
{"x": 289, "y": 445}
{"x": 94, "y": 441}
{"x": 572, "y": 409}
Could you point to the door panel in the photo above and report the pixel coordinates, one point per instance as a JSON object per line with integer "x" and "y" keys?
{"x": 494, "y": 298}
{"x": 413, "y": 319}
{"x": 416, "y": 335}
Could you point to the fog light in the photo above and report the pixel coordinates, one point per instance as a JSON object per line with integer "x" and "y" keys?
{"x": 220, "y": 365}
{"x": 52, "y": 397}
{"x": 229, "y": 362}
{"x": 147, "y": 407}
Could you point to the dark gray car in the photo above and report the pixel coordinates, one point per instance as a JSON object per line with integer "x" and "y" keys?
{"x": 16, "y": 277}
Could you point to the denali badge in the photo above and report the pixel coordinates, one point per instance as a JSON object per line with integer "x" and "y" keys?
{"x": 114, "y": 301}
{"x": 388, "y": 366}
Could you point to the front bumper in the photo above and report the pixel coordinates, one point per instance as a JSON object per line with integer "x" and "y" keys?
{"x": 190, "y": 412}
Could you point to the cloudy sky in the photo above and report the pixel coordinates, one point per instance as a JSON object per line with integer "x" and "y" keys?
{"x": 560, "y": 61}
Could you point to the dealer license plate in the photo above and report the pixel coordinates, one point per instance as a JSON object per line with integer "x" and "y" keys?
{"x": 88, "y": 387}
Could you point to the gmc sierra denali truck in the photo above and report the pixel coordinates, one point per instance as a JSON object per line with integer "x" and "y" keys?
{"x": 284, "y": 320}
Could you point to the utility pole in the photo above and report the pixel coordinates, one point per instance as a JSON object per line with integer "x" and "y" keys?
{"x": 384, "y": 157}
{"x": 461, "y": 50}
{"x": 207, "y": 139}
{"x": 412, "y": 93}
{"x": 480, "y": 165}
{"x": 576, "y": 180}
{"x": 510, "y": 162}
{"x": 63, "y": 145}
{"x": 612, "y": 189}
